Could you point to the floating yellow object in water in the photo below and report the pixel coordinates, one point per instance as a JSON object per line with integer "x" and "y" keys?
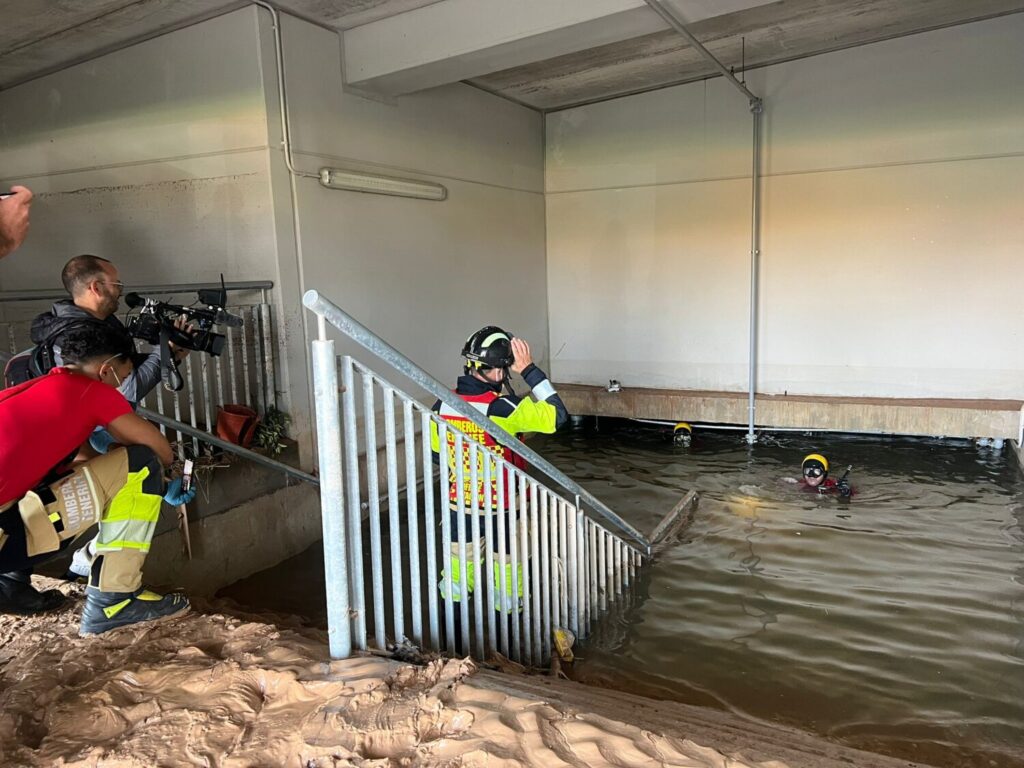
{"x": 564, "y": 641}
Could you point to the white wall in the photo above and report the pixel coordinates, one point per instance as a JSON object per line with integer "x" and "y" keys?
{"x": 891, "y": 239}
{"x": 153, "y": 156}
{"x": 424, "y": 275}
{"x": 165, "y": 157}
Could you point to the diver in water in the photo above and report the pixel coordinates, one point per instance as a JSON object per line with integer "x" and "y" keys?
{"x": 814, "y": 468}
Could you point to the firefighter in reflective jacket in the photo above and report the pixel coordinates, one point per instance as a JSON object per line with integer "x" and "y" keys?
{"x": 491, "y": 354}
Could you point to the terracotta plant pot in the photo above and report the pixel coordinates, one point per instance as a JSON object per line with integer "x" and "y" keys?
{"x": 236, "y": 424}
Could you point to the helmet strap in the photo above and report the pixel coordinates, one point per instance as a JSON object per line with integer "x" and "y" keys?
{"x": 507, "y": 381}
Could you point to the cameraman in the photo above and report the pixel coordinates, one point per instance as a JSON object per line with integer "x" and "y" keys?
{"x": 95, "y": 288}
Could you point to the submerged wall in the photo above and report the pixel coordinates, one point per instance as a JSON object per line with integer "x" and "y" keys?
{"x": 891, "y": 232}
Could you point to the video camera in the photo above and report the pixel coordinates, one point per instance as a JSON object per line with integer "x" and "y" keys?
{"x": 157, "y": 318}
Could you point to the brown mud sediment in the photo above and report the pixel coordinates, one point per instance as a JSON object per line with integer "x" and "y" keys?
{"x": 228, "y": 689}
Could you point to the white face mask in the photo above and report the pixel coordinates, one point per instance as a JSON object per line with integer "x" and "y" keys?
{"x": 116, "y": 377}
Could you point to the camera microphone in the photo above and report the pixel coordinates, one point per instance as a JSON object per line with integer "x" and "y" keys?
{"x": 133, "y": 300}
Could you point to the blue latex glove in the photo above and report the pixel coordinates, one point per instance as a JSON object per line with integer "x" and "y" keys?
{"x": 101, "y": 440}
{"x": 175, "y": 495}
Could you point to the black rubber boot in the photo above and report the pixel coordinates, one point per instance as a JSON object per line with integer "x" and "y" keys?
{"x": 105, "y": 611}
{"x": 17, "y": 595}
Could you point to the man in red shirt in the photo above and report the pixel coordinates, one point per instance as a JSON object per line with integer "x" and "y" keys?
{"x": 47, "y": 498}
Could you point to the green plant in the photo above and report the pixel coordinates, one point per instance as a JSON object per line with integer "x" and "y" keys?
{"x": 271, "y": 429}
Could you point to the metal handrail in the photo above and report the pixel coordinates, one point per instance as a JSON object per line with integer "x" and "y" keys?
{"x": 373, "y": 343}
{"x": 43, "y": 294}
{"x": 245, "y": 453}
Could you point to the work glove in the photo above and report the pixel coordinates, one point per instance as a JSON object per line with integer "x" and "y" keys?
{"x": 844, "y": 488}
{"x": 101, "y": 440}
{"x": 175, "y": 495}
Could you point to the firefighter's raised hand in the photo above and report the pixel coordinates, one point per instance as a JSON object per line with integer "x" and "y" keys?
{"x": 521, "y": 353}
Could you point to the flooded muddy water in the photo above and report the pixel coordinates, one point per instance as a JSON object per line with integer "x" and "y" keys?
{"x": 893, "y": 622}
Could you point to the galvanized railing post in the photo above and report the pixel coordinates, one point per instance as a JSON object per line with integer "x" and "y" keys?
{"x": 429, "y": 529}
{"x": 474, "y": 523}
{"x": 412, "y": 522}
{"x": 394, "y": 523}
{"x": 373, "y": 498}
{"x": 355, "y": 510}
{"x": 328, "y": 432}
{"x": 446, "y": 536}
{"x": 460, "y": 485}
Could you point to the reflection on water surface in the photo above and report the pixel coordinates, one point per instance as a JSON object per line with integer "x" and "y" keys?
{"x": 893, "y": 623}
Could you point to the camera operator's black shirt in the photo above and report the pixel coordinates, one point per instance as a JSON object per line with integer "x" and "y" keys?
{"x": 65, "y": 315}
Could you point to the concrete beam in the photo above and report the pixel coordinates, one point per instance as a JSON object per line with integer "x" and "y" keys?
{"x": 457, "y": 39}
{"x": 875, "y": 415}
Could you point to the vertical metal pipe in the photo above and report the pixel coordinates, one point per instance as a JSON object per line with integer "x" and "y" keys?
{"x": 602, "y": 573}
{"x": 479, "y": 577}
{"x": 515, "y": 615}
{"x": 545, "y": 575}
{"x": 595, "y": 580}
{"x": 485, "y": 579}
{"x": 159, "y": 392}
{"x": 191, "y": 394}
{"x": 756, "y": 110}
{"x": 609, "y": 567}
{"x": 355, "y": 510}
{"x": 373, "y": 499}
{"x": 429, "y": 523}
{"x": 460, "y": 485}
{"x": 535, "y": 569}
{"x": 564, "y": 569}
{"x": 581, "y": 577}
{"x": 524, "y": 563}
{"x": 257, "y": 360}
{"x": 394, "y": 523}
{"x": 554, "y": 576}
{"x": 245, "y": 364}
{"x": 268, "y": 355}
{"x": 620, "y": 575}
{"x": 412, "y": 522}
{"x": 328, "y": 434}
{"x": 444, "y": 483}
{"x": 506, "y": 582}
{"x": 572, "y": 573}
{"x": 204, "y": 371}
{"x": 219, "y": 367}
{"x": 233, "y": 368}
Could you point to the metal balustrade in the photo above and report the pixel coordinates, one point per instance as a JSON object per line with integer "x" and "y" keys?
{"x": 244, "y": 374}
{"x": 388, "y": 581}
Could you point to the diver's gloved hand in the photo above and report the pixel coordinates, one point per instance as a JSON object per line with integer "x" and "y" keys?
{"x": 843, "y": 486}
{"x": 175, "y": 495}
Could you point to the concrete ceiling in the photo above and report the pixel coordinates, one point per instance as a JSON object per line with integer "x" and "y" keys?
{"x": 614, "y": 47}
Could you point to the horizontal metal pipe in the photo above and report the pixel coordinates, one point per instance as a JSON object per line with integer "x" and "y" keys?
{"x": 677, "y": 24}
{"x": 370, "y": 341}
{"x": 54, "y": 294}
{"x": 245, "y": 453}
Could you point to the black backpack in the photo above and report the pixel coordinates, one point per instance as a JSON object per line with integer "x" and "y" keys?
{"x": 40, "y": 359}
{"x": 28, "y": 364}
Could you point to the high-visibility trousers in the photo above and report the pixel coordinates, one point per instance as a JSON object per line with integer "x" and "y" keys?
{"x": 120, "y": 490}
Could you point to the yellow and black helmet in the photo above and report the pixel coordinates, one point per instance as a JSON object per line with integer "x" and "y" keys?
{"x": 814, "y": 465}
{"x": 490, "y": 347}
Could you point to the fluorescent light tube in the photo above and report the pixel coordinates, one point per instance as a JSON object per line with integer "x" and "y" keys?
{"x": 356, "y": 181}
